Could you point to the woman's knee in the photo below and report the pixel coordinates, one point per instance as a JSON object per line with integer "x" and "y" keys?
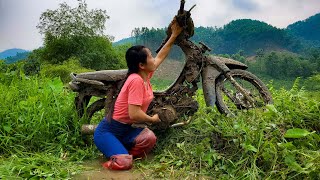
{"x": 144, "y": 142}
{"x": 109, "y": 145}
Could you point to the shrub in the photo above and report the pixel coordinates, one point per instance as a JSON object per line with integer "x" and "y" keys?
{"x": 63, "y": 71}
{"x": 313, "y": 83}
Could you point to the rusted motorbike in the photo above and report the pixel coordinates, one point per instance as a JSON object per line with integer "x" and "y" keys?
{"x": 225, "y": 83}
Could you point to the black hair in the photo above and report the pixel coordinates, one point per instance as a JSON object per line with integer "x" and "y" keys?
{"x": 134, "y": 56}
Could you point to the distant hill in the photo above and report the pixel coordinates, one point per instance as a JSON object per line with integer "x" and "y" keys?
{"x": 17, "y": 57}
{"x": 125, "y": 41}
{"x": 308, "y": 29}
{"x": 13, "y": 55}
{"x": 11, "y": 52}
{"x": 244, "y": 34}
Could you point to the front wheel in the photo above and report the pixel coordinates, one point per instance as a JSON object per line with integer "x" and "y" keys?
{"x": 252, "y": 93}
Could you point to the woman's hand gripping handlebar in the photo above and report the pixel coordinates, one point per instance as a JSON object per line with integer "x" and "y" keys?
{"x": 183, "y": 19}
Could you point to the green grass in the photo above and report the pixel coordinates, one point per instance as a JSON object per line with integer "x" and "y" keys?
{"x": 37, "y": 166}
{"x": 38, "y": 120}
{"x": 40, "y": 137}
{"x": 160, "y": 84}
{"x": 254, "y": 145}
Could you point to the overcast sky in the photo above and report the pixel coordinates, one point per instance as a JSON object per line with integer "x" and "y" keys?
{"x": 19, "y": 18}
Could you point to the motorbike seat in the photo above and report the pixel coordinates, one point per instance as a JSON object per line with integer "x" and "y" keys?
{"x": 104, "y": 75}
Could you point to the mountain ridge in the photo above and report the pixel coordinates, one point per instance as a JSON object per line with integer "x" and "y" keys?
{"x": 297, "y": 34}
{"x": 11, "y": 52}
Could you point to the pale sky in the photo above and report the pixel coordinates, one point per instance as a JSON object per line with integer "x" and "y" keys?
{"x": 19, "y": 18}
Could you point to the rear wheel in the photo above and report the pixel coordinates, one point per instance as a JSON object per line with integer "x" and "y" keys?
{"x": 89, "y": 110}
{"x": 230, "y": 99}
{"x": 92, "y": 115}
{"x": 95, "y": 107}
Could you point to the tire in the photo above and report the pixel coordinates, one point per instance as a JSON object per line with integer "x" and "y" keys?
{"x": 94, "y": 108}
{"x": 88, "y": 111}
{"x": 230, "y": 100}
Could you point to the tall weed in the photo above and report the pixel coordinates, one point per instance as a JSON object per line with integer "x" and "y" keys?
{"x": 40, "y": 133}
{"x": 37, "y": 116}
{"x": 281, "y": 142}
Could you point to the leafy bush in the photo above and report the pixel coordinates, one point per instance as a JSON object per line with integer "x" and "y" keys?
{"x": 120, "y": 51}
{"x": 313, "y": 83}
{"x": 93, "y": 52}
{"x": 99, "y": 54}
{"x": 37, "y": 115}
{"x": 63, "y": 71}
{"x": 31, "y": 66}
{"x": 3, "y": 66}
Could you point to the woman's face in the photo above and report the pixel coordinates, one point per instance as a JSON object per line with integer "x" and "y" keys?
{"x": 149, "y": 66}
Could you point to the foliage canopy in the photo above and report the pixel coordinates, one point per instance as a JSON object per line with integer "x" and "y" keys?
{"x": 66, "y": 21}
{"x": 77, "y": 32}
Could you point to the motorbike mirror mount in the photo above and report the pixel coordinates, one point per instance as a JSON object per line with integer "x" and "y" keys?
{"x": 192, "y": 8}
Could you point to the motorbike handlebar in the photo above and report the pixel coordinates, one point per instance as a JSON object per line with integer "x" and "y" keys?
{"x": 182, "y": 2}
{"x": 181, "y": 17}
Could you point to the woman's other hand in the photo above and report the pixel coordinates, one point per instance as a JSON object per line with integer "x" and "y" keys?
{"x": 155, "y": 118}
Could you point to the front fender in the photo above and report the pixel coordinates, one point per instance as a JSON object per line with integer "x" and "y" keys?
{"x": 216, "y": 65}
{"x": 209, "y": 75}
{"x": 230, "y": 63}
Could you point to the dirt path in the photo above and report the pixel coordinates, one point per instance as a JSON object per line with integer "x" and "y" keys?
{"x": 103, "y": 174}
{"x": 96, "y": 172}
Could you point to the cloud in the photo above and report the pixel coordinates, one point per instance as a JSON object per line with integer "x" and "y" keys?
{"x": 245, "y": 5}
{"x": 125, "y": 16}
{"x": 19, "y": 19}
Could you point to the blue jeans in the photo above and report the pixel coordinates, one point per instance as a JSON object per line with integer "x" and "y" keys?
{"x": 112, "y": 137}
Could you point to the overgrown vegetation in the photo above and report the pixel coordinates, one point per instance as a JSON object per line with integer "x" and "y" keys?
{"x": 40, "y": 130}
{"x": 40, "y": 136}
{"x": 279, "y": 143}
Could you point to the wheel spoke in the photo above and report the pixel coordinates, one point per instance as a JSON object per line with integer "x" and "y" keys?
{"x": 241, "y": 90}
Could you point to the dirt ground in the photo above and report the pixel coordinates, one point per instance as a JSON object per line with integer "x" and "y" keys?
{"x": 95, "y": 171}
{"x": 103, "y": 174}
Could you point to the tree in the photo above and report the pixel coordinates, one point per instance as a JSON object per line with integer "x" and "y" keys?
{"x": 77, "y": 32}
{"x": 66, "y": 21}
{"x": 32, "y": 64}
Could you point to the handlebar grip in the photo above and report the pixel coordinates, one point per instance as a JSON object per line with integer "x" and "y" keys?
{"x": 181, "y": 6}
{"x": 179, "y": 18}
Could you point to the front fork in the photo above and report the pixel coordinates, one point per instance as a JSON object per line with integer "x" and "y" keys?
{"x": 243, "y": 91}
{"x": 209, "y": 75}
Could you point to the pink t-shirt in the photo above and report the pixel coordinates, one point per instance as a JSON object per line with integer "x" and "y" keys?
{"x": 135, "y": 92}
